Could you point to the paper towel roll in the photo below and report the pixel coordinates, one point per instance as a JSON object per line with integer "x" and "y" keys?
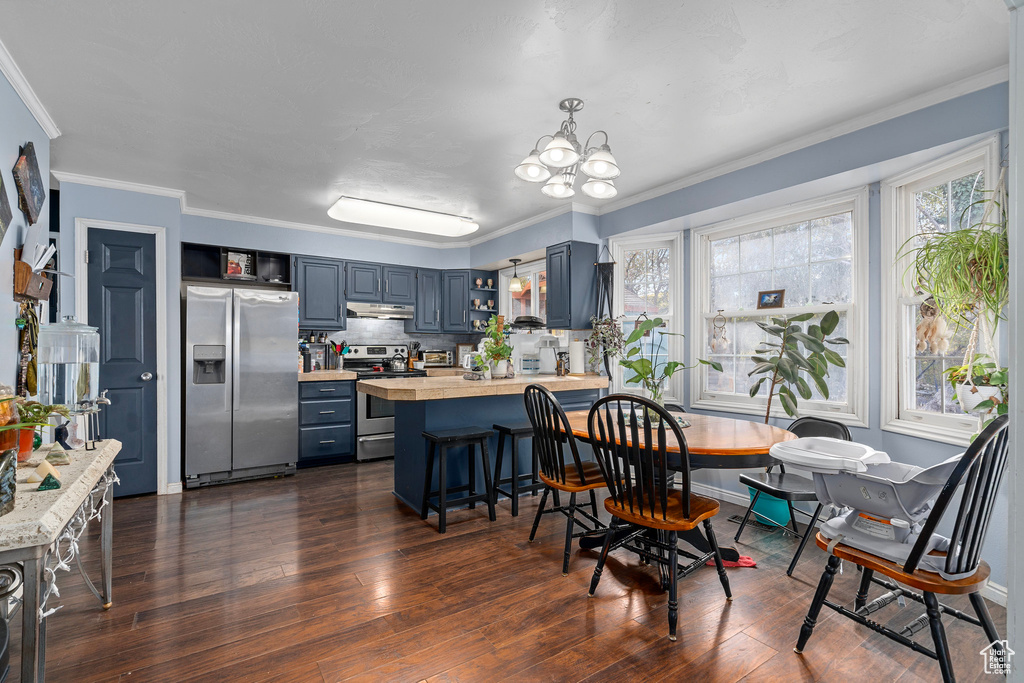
{"x": 577, "y": 364}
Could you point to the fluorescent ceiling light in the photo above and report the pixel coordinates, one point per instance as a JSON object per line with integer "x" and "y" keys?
{"x": 382, "y": 215}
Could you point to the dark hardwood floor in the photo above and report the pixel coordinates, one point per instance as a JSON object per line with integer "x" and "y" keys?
{"x": 325, "y": 577}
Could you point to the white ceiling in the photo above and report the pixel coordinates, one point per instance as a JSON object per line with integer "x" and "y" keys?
{"x": 274, "y": 109}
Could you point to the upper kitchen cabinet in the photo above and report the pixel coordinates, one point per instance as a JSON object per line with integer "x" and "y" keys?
{"x": 363, "y": 282}
{"x": 399, "y": 285}
{"x": 572, "y": 285}
{"x": 455, "y": 301}
{"x": 320, "y": 283}
{"x": 428, "y": 302}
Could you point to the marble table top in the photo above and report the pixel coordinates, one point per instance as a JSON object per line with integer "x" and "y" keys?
{"x": 39, "y": 516}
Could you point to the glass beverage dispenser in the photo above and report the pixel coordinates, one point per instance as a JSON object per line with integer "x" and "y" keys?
{"x": 69, "y": 365}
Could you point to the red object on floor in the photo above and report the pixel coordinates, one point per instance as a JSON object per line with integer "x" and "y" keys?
{"x": 744, "y": 561}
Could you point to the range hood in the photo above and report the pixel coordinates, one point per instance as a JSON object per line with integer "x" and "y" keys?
{"x": 386, "y": 311}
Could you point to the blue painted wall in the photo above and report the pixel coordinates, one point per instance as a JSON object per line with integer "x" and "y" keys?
{"x": 17, "y": 127}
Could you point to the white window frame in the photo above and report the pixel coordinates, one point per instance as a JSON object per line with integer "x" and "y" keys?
{"x": 531, "y": 269}
{"x": 897, "y": 193}
{"x": 854, "y": 411}
{"x": 675, "y": 350}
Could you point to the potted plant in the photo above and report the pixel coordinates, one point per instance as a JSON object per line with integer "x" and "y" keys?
{"x": 647, "y": 370}
{"x": 980, "y": 387}
{"x": 33, "y": 415}
{"x": 797, "y": 356}
{"x": 497, "y": 350}
{"x": 605, "y": 343}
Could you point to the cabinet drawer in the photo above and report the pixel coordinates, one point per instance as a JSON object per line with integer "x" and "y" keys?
{"x": 320, "y": 442}
{"x": 341, "y": 389}
{"x": 325, "y": 412}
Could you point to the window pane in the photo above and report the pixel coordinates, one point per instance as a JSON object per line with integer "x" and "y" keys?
{"x": 791, "y": 245}
{"x": 831, "y": 281}
{"x": 646, "y": 286}
{"x": 725, "y": 293}
{"x": 796, "y": 283}
{"x": 832, "y": 237}
{"x": 723, "y": 382}
{"x": 725, "y": 257}
{"x": 750, "y": 285}
{"x": 654, "y": 346}
{"x": 932, "y": 209}
{"x": 756, "y": 251}
{"x": 521, "y": 301}
{"x": 928, "y": 385}
{"x": 542, "y": 295}
{"x": 964, "y": 192}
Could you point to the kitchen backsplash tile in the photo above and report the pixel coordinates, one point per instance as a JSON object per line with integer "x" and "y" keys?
{"x": 376, "y": 330}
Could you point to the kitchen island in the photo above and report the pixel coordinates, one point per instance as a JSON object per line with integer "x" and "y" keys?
{"x": 434, "y": 403}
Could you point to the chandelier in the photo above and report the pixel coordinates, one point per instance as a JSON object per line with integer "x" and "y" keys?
{"x": 563, "y": 158}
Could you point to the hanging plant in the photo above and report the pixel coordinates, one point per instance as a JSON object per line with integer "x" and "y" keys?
{"x": 605, "y": 342}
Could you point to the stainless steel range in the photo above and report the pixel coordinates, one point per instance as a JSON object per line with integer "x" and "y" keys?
{"x": 375, "y": 421}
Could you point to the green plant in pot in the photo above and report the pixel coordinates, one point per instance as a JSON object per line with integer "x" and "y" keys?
{"x": 648, "y": 372}
{"x": 497, "y": 350}
{"x": 795, "y": 357}
{"x": 981, "y": 387}
{"x": 967, "y": 273}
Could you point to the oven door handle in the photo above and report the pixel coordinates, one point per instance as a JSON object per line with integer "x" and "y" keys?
{"x": 375, "y": 437}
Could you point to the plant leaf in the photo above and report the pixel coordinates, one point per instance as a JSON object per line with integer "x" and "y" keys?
{"x": 838, "y": 340}
{"x": 801, "y": 318}
{"x": 761, "y": 368}
{"x": 632, "y": 351}
{"x": 803, "y": 388}
{"x": 788, "y": 369}
{"x": 757, "y": 387}
{"x": 800, "y": 360}
{"x": 634, "y": 336}
{"x": 834, "y": 358}
{"x": 788, "y": 403}
{"x": 809, "y": 341}
{"x": 713, "y": 363}
{"x": 815, "y": 332}
{"x": 829, "y": 321}
{"x": 819, "y": 382}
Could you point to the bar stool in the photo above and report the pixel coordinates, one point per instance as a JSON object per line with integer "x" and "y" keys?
{"x": 515, "y": 431}
{"x": 455, "y": 438}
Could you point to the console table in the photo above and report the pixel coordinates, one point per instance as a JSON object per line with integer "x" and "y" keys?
{"x": 40, "y": 536}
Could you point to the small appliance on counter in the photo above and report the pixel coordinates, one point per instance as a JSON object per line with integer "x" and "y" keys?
{"x": 437, "y": 359}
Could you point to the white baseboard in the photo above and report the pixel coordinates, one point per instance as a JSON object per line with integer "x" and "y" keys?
{"x": 173, "y": 488}
{"x": 991, "y": 591}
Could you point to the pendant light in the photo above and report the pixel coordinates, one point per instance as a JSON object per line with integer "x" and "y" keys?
{"x": 515, "y": 285}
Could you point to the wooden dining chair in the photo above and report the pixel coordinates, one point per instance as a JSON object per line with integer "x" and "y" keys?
{"x": 550, "y": 441}
{"x": 631, "y": 437}
{"x": 791, "y": 487}
{"x": 981, "y": 470}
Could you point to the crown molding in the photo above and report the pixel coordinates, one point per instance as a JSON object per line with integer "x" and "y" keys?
{"x": 947, "y": 92}
{"x": 519, "y": 225}
{"x": 18, "y": 81}
{"x": 110, "y": 184}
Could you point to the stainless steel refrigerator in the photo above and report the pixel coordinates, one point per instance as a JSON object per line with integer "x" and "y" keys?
{"x": 241, "y": 384}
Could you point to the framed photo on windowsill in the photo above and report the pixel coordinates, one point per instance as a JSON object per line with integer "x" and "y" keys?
{"x": 772, "y": 298}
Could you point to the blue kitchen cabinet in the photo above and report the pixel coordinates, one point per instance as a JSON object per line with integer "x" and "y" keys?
{"x": 399, "y": 285}
{"x": 320, "y": 283}
{"x": 455, "y": 301}
{"x": 363, "y": 282}
{"x": 428, "y": 302}
{"x": 572, "y": 285}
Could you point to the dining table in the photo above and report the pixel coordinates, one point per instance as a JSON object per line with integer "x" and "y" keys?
{"x": 712, "y": 443}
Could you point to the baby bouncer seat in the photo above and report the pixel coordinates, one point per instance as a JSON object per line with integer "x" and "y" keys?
{"x": 884, "y": 503}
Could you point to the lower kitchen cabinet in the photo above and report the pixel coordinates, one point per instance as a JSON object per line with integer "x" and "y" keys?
{"x": 327, "y": 423}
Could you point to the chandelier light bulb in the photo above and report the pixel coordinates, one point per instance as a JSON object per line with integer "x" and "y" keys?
{"x": 558, "y": 187}
{"x": 601, "y": 164}
{"x": 559, "y": 153}
{"x": 599, "y": 189}
{"x": 532, "y": 170}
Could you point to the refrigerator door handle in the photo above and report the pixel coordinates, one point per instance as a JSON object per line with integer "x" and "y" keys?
{"x": 235, "y": 350}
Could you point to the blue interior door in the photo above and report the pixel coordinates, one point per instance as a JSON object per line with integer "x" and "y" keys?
{"x": 122, "y": 304}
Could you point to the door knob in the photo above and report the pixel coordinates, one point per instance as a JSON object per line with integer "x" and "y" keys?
{"x": 146, "y": 376}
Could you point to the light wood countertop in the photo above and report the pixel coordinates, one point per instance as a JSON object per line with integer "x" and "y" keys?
{"x": 326, "y": 375}
{"x": 445, "y": 372}
{"x": 438, "y": 388}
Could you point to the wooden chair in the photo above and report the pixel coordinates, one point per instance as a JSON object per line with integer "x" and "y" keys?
{"x": 792, "y": 487}
{"x": 982, "y": 467}
{"x": 635, "y": 462}
{"x": 550, "y": 427}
